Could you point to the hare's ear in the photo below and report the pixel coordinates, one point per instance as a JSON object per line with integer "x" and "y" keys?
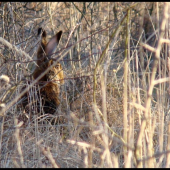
{"x": 52, "y": 44}
{"x": 42, "y": 31}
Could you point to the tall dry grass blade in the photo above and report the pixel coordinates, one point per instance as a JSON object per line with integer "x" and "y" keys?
{"x": 125, "y": 83}
{"x": 18, "y": 142}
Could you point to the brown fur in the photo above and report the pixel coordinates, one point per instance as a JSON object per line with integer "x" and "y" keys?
{"x": 52, "y": 88}
{"x": 54, "y": 77}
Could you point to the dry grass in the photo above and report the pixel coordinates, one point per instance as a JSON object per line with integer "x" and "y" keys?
{"x": 114, "y": 109}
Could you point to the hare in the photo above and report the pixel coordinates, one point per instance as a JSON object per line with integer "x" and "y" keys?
{"x": 54, "y": 76}
{"x": 45, "y": 50}
{"x": 52, "y": 80}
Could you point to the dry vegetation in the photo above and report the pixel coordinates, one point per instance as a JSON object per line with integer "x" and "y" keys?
{"x": 114, "y": 109}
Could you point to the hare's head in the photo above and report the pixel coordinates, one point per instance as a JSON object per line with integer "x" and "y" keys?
{"x": 55, "y": 74}
{"x": 46, "y": 49}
